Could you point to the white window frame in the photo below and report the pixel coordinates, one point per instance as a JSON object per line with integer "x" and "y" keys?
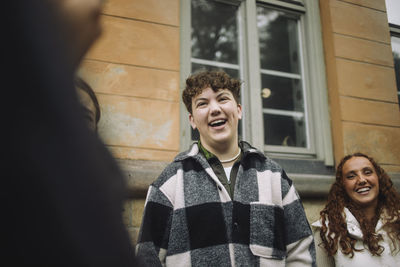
{"x": 394, "y": 28}
{"x": 395, "y": 32}
{"x": 314, "y": 80}
{"x": 294, "y": 151}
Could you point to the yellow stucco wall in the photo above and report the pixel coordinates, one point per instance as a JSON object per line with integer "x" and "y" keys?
{"x": 361, "y": 80}
{"x": 134, "y": 69}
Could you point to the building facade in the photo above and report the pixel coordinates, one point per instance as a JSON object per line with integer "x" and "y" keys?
{"x": 319, "y": 82}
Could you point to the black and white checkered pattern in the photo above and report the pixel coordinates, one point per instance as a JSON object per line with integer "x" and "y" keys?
{"x": 190, "y": 219}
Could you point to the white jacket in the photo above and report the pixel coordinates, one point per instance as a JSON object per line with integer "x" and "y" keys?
{"x": 362, "y": 258}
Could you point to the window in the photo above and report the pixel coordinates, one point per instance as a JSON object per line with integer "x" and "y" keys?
{"x": 275, "y": 48}
{"x": 396, "y": 56}
{"x": 282, "y": 82}
{"x": 393, "y": 11}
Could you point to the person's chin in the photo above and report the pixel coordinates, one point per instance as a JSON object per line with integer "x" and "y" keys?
{"x": 222, "y": 138}
{"x": 364, "y": 202}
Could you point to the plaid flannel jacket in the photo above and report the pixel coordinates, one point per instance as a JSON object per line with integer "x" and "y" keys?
{"x": 190, "y": 220}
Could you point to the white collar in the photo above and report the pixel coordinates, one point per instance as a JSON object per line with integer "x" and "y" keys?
{"x": 352, "y": 224}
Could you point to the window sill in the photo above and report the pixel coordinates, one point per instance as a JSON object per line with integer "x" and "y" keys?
{"x": 311, "y": 178}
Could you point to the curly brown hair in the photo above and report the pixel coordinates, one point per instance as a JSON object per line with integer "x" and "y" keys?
{"x": 335, "y": 234}
{"x": 216, "y": 79}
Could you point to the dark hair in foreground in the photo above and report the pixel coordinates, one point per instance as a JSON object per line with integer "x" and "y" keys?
{"x": 335, "y": 235}
{"x": 81, "y": 84}
{"x": 215, "y": 79}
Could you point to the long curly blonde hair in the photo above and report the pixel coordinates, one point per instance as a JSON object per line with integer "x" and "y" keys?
{"x": 335, "y": 235}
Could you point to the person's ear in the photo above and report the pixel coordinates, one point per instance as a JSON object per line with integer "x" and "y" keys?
{"x": 191, "y": 120}
{"x": 239, "y": 107}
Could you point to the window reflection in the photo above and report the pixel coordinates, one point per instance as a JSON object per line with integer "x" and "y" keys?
{"x": 286, "y": 93}
{"x": 396, "y": 57}
{"x": 200, "y": 67}
{"x": 278, "y": 41}
{"x": 214, "y": 31}
{"x": 291, "y": 130}
{"x": 282, "y": 88}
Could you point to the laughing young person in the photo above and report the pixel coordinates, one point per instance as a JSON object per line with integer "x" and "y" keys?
{"x": 223, "y": 202}
{"x": 360, "y": 224}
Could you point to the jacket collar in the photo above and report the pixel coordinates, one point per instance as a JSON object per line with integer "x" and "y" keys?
{"x": 353, "y": 227}
{"x": 193, "y": 152}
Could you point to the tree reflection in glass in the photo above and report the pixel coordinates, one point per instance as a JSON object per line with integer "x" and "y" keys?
{"x": 214, "y": 31}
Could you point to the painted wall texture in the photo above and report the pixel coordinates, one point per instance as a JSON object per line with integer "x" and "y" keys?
{"x": 361, "y": 80}
{"x": 134, "y": 69}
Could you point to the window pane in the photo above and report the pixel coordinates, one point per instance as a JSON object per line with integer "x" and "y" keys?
{"x": 396, "y": 56}
{"x": 232, "y": 72}
{"x": 282, "y": 89}
{"x": 279, "y": 48}
{"x": 214, "y": 31}
{"x": 393, "y": 11}
{"x": 284, "y": 130}
{"x": 282, "y": 93}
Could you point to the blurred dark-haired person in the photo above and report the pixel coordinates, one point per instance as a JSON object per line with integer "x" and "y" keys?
{"x": 61, "y": 192}
{"x": 360, "y": 224}
{"x": 223, "y": 202}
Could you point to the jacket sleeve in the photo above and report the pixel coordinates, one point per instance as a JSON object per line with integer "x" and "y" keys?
{"x": 154, "y": 232}
{"x": 299, "y": 240}
{"x": 323, "y": 259}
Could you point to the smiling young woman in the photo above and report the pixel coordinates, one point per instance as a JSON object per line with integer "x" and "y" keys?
{"x": 360, "y": 223}
{"x": 361, "y": 184}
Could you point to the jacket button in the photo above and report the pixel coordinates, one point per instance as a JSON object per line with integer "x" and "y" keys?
{"x": 235, "y": 225}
